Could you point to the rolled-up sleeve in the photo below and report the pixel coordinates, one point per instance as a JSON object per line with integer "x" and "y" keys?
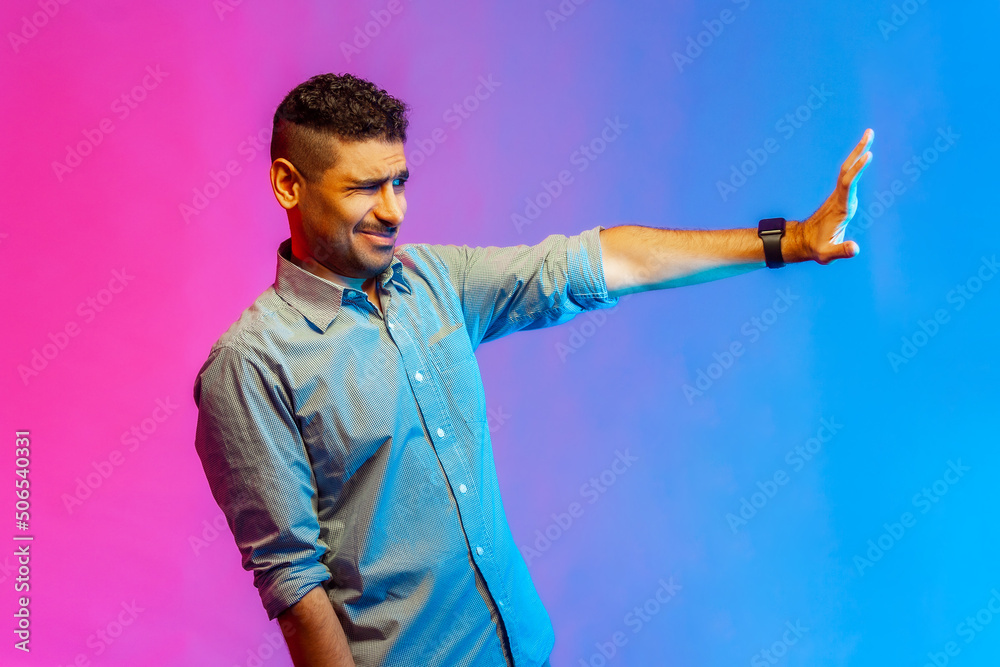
{"x": 522, "y": 287}
{"x": 259, "y": 472}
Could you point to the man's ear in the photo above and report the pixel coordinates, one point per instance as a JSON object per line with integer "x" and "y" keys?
{"x": 286, "y": 183}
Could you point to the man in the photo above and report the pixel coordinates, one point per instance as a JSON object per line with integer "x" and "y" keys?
{"x": 342, "y": 422}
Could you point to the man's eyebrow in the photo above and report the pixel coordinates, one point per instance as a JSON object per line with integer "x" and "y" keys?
{"x": 377, "y": 181}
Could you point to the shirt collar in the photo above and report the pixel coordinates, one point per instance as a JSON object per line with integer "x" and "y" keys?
{"x": 318, "y": 299}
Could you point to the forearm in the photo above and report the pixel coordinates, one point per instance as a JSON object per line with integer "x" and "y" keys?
{"x": 637, "y": 258}
{"x": 314, "y": 636}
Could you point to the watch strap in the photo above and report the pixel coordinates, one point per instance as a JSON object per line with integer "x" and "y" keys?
{"x": 770, "y": 231}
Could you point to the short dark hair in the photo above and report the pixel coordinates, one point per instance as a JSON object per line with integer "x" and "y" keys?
{"x": 331, "y": 105}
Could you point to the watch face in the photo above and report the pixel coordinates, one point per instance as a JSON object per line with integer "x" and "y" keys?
{"x": 771, "y": 225}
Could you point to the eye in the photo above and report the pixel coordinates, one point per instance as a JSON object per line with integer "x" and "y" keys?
{"x": 399, "y": 183}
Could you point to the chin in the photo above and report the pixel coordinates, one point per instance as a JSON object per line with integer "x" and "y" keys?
{"x": 374, "y": 263}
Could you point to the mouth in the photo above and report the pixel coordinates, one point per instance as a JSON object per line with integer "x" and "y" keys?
{"x": 379, "y": 235}
{"x": 381, "y": 238}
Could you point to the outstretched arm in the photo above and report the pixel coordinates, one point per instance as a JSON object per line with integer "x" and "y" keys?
{"x": 637, "y": 259}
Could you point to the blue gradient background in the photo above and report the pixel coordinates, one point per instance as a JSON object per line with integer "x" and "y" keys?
{"x": 564, "y": 415}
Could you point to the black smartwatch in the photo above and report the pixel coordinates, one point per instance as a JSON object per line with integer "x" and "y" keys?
{"x": 770, "y": 231}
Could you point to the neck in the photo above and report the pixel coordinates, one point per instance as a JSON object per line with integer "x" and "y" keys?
{"x": 366, "y": 285}
{"x": 312, "y": 266}
{"x": 300, "y": 255}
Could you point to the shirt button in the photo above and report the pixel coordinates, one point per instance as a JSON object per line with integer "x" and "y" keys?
{"x": 479, "y": 550}
{"x": 419, "y": 376}
{"x": 500, "y": 603}
{"x": 463, "y": 488}
{"x": 391, "y": 325}
{"x": 440, "y": 432}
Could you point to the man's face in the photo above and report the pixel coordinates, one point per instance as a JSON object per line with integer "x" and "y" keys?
{"x": 350, "y": 216}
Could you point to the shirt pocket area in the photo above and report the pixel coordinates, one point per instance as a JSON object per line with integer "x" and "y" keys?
{"x": 462, "y": 386}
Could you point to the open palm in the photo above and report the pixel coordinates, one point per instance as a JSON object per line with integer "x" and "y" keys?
{"x": 823, "y": 232}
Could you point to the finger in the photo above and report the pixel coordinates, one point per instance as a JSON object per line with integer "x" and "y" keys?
{"x": 858, "y": 168}
{"x": 856, "y": 154}
{"x": 844, "y": 251}
{"x": 860, "y": 149}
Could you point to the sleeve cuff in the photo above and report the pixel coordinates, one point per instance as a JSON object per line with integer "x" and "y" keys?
{"x": 281, "y": 588}
{"x": 586, "y": 272}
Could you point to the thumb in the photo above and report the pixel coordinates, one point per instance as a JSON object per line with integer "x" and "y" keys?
{"x": 845, "y": 250}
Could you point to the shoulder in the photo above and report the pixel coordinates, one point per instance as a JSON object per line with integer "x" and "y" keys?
{"x": 256, "y": 335}
{"x": 419, "y": 256}
{"x": 432, "y": 261}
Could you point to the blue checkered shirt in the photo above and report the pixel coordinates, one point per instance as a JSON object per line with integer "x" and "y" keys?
{"x": 349, "y": 447}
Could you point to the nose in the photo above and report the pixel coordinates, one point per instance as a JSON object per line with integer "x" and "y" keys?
{"x": 391, "y": 206}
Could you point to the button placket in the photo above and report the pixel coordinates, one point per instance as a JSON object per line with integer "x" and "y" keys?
{"x": 452, "y": 463}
